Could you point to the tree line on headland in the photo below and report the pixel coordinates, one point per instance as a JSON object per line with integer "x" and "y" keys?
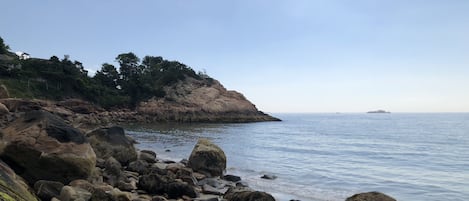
{"x": 133, "y": 81}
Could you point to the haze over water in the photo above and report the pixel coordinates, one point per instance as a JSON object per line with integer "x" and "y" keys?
{"x": 333, "y": 156}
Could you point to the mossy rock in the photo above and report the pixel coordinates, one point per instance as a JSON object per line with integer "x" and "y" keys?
{"x": 13, "y": 187}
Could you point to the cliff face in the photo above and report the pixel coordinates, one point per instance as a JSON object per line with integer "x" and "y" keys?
{"x": 201, "y": 101}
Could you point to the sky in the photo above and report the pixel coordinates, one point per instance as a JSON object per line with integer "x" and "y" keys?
{"x": 283, "y": 55}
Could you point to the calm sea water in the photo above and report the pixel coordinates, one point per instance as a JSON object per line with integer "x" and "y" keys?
{"x": 333, "y": 156}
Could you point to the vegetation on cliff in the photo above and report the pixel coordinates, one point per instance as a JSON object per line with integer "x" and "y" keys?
{"x": 133, "y": 81}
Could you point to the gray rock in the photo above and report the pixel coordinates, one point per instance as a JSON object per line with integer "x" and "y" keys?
{"x": 370, "y": 196}
{"x": 69, "y": 193}
{"x": 153, "y": 183}
{"x": 207, "y": 158}
{"x": 140, "y": 166}
{"x": 113, "y": 142}
{"x": 179, "y": 189}
{"x": 46, "y": 190}
{"x": 215, "y": 191}
{"x": 235, "y": 194}
{"x": 148, "y": 156}
{"x": 232, "y": 178}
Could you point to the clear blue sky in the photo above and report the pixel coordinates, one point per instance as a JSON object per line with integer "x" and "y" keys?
{"x": 284, "y": 56}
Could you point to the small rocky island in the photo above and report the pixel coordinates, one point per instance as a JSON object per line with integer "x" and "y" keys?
{"x": 378, "y": 111}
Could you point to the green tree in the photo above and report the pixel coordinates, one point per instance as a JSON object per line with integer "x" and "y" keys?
{"x": 3, "y": 48}
{"x": 129, "y": 67}
{"x": 107, "y": 76}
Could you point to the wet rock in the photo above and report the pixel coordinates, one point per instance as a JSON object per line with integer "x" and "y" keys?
{"x": 41, "y": 146}
{"x": 139, "y": 166}
{"x": 207, "y": 158}
{"x": 113, "y": 142}
{"x": 179, "y": 189}
{"x": 232, "y": 178}
{"x": 215, "y": 191}
{"x": 13, "y": 187}
{"x": 46, "y": 190}
{"x": 269, "y": 177}
{"x": 239, "y": 195}
{"x": 370, "y": 196}
{"x": 148, "y": 156}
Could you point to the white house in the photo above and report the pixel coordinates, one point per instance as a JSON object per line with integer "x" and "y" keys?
{"x": 23, "y": 55}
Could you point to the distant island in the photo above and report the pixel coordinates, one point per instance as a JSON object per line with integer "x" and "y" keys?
{"x": 378, "y": 111}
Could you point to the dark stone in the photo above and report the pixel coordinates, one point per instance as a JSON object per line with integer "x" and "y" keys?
{"x": 148, "y": 157}
{"x": 46, "y": 190}
{"x": 55, "y": 126}
{"x": 179, "y": 189}
{"x": 232, "y": 178}
{"x": 101, "y": 195}
{"x": 269, "y": 176}
{"x": 113, "y": 167}
{"x": 139, "y": 166}
{"x": 152, "y": 153}
{"x": 370, "y": 196}
{"x": 153, "y": 183}
{"x": 248, "y": 196}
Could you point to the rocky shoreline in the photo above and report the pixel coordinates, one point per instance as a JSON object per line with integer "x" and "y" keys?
{"x": 44, "y": 157}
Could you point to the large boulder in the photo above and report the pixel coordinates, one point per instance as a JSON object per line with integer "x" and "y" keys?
{"x": 370, "y": 196}
{"x": 244, "y": 194}
{"x": 41, "y": 146}
{"x": 13, "y": 187}
{"x": 207, "y": 158}
{"x": 113, "y": 142}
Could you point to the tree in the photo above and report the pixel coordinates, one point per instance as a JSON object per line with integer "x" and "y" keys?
{"x": 3, "y": 48}
{"x": 107, "y": 76}
{"x": 129, "y": 67}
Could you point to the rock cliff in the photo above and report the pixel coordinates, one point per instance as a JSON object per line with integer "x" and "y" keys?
{"x": 206, "y": 100}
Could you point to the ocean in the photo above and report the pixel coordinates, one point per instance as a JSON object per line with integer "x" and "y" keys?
{"x": 319, "y": 157}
